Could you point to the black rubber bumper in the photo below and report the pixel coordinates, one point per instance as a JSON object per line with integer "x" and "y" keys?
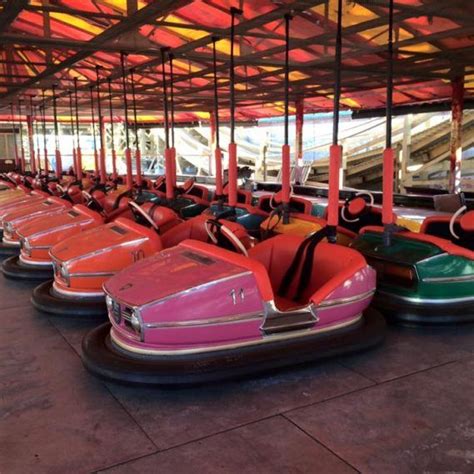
{"x": 45, "y": 299}
{"x": 8, "y": 250}
{"x": 427, "y": 313}
{"x": 13, "y": 268}
{"x": 104, "y": 359}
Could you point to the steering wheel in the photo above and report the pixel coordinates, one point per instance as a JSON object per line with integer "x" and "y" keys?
{"x": 356, "y": 206}
{"x": 466, "y": 222}
{"x": 188, "y": 185}
{"x": 272, "y": 203}
{"x": 92, "y": 200}
{"x": 214, "y": 227}
{"x": 140, "y": 214}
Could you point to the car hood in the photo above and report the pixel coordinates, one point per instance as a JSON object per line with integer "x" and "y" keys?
{"x": 169, "y": 272}
{"x": 39, "y": 228}
{"x": 47, "y": 206}
{"x": 98, "y": 240}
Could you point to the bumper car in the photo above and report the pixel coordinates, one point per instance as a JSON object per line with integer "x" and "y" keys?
{"x": 46, "y": 208}
{"x": 299, "y": 222}
{"x": 83, "y": 263}
{"x": 357, "y": 213}
{"x": 424, "y": 278}
{"x": 196, "y": 313}
{"x": 38, "y": 236}
{"x": 242, "y": 212}
{"x": 187, "y": 200}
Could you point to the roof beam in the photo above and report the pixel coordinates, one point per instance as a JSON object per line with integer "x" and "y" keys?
{"x": 10, "y": 11}
{"x": 142, "y": 16}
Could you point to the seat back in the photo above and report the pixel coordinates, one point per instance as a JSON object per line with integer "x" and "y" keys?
{"x": 297, "y": 204}
{"x": 195, "y": 228}
{"x": 329, "y": 260}
{"x": 164, "y": 217}
{"x": 448, "y": 202}
{"x": 438, "y": 226}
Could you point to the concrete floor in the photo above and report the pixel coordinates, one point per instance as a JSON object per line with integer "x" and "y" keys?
{"x": 406, "y": 407}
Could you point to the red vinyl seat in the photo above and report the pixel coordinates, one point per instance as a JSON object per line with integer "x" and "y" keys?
{"x": 332, "y": 264}
{"x": 297, "y": 204}
{"x": 195, "y": 229}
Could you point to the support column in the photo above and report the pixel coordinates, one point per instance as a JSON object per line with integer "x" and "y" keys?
{"x": 299, "y": 121}
{"x": 457, "y": 103}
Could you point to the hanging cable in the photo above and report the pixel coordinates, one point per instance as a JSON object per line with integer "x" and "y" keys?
{"x": 135, "y": 126}
{"x": 59, "y": 168}
{"x": 335, "y": 151}
{"x": 102, "y": 167}
{"x": 78, "y": 142}
{"x": 169, "y": 167}
{"x": 388, "y": 154}
{"x": 17, "y": 161}
{"x": 71, "y": 116}
{"x": 45, "y": 140}
{"x": 37, "y": 139}
{"x": 217, "y": 150}
{"x": 173, "y": 158}
{"x": 285, "y": 165}
{"x": 22, "y": 148}
{"x": 128, "y": 154}
{"x": 96, "y": 158}
{"x": 165, "y": 96}
{"x": 233, "y": 162}
{"x": 112, "y": 136}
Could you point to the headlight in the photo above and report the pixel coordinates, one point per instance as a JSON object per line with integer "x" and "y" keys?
{"x": 109, "y": 301}
{"x": 136, "y": 322}
{"x": 64, "y": 273}
{"x": 26, "y": 246}
{"x": 113, "y": 308}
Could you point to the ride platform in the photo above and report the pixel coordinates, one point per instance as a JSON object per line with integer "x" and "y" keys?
{"x": 403, "y": 407}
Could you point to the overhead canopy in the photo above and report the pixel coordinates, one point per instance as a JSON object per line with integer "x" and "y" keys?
{"x": 45, "y": 42}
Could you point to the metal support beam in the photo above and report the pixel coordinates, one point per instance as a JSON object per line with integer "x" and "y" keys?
{"x": 141, "y": 17}
{"x": 11, "y": 10}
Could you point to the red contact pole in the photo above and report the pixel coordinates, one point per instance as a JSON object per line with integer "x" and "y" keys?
{"x": 17, "y": 159}
{"x": 168, "y": 151}
{"x": 128, "y": 153}
{"x": 215, "y": 117}
{"x": 388, "y": 155}
{"x": 45, "y": 140}
{"x": 138, "y": 155}
{"x": 22, "y": 148}
{"x": 173, "y": 160}
{"x": 112, "y": 136}
{"x": 102, "y": 168}
{"x": 59, "y": 165}
{"x": 38, "y": 148}
{"x": 233, "y": 160}
{"x": 78, "y": 143}
{"x": 74, "y": 154}
{"x": 31, "y": 141}
{"x": 96, "y": 155}
{"x": 335, "y": 151}
{"x": 285, "y": 152}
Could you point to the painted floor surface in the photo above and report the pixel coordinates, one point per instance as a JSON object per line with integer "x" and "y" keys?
{"x": 405, "y": 407}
